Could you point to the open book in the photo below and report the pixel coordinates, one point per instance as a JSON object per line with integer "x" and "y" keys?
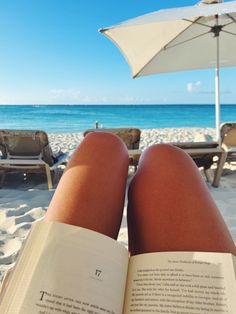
{"x": 72, "y": 270}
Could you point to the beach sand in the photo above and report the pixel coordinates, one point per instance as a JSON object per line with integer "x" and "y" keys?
{"x": 25, "y": 199}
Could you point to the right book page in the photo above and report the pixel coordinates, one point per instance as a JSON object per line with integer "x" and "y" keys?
{"x": 181, "y": 282}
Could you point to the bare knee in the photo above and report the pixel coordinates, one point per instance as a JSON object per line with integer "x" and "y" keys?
{"x": 106, "y": 136}
{"x": 102, "y": 143}
{"x": 162, "y": 149}
{"x": 164, "y": 154}
{"x": 165, "y": 163}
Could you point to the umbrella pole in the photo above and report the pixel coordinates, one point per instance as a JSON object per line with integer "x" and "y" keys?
{"x": 217, "y": 104}
{"x": 217, "y": 91}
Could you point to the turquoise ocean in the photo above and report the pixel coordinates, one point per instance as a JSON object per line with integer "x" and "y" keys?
{"x": 77, "y": 118}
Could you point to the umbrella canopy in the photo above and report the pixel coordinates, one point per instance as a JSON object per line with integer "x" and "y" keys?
{"x": 186, "y": 38}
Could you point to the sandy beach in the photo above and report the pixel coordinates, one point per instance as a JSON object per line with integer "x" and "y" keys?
{"x": 25, "y": 199}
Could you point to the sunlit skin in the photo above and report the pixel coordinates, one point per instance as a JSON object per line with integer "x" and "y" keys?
{"x": 91, "y": 191}
{"x": 169, "y": 205}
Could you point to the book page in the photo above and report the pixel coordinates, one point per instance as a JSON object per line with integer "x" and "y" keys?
{"x": 78, "y": 271}
{"x": 181, "y": 282}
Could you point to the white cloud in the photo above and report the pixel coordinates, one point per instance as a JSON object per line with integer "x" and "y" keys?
{"x": 96, "y": 100}
{"x": 131, "y": 99}
{"x": 194, "y": 87}
{"x": 197, "y": 88}
{"x": 124, "y": 99}
{"x": 65, "y": 94}
{"x": 9, "y": 99}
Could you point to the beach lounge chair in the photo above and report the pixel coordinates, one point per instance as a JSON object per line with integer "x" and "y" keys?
{"x": 203, "y": 153}
{"x": 228, "y": 140}
{"x": 28, "y": 151}
{"x": 228, "y": 144}
{"x": 131, "y": 138}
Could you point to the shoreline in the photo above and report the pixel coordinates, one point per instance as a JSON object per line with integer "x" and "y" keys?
{"x": 24, "y": 200}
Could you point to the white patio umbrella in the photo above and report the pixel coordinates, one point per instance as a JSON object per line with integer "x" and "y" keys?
{"x": 184, "y": 38}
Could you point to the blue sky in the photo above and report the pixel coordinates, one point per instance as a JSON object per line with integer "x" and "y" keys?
{"x": 52, "y": 53}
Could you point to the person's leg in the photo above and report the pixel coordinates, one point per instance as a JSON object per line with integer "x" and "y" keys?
{"x": 170, "y": 207}
{"x": 91, "y": 191}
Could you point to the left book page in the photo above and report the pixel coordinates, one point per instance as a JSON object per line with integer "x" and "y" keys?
{"x": 67, "y": 269}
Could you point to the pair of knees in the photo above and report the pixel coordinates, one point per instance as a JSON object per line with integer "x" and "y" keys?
{"x": 161, "y": 166}
{"x": 153, "y": 155}
{"x": 167, "y": 197}
{"x": 91, "y": 192}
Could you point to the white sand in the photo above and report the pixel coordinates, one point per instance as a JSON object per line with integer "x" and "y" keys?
{"x": 24, "y": 200}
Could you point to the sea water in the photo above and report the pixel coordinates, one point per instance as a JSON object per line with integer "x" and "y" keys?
{"x": 77, "y": 118}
